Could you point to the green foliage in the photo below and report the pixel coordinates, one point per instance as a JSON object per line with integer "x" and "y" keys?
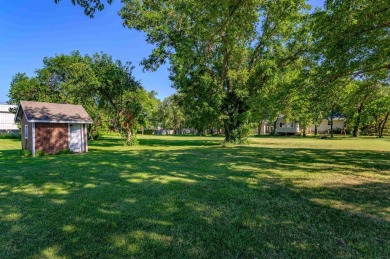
{"x": 132, "y": 142}
{"x": 40, "y": 153}
{"x": 238, "y": 62}
{"x": 90, "y": 6}
{"x": 221, "y": 52}
{"x": 24, "y": 88}
{"x": 105, "y": 87}
{"x": 10, "y": 136}
{"x": 186, "y": 197}
{"x": 25, "y": 153}
{"x": 352, "y": 38}
{"x": 171, "y": 114}
{"x": 379, "y": 107}
{"x": 138, "y": 109}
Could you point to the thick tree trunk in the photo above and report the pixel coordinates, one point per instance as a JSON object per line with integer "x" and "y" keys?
{"x": 235, "y": 108}
{"x": 380, "y": 130}
{"x": 304, "y": 132}
{"x": 315, "y": 130}
{"x": 357, "y": 122}
{"x": 382, "y": 126}
{"x": 233, "y": 130}
{"x": 227, "y": 131}
{"x": 355, "y": 131}
{"x": 259, "y": 128}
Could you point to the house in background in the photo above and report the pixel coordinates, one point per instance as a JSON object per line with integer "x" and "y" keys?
{"x": 265, "y": 127}
{"x": 52, "y": 127}
{"x": 7, "y": 123}
{"x": 324, "y": 126}
{"x": 284, "y": 127}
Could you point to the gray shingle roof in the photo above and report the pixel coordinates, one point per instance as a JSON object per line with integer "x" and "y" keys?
{"x": 53, "y": 112}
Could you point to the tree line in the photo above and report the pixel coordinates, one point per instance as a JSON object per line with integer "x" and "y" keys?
{"x": 236, "y": 62}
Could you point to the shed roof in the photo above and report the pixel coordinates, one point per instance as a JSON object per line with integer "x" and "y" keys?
{"x": 52, "y": 112}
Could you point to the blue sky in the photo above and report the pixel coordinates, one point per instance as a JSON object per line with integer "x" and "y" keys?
{"x": 32, "y": 30}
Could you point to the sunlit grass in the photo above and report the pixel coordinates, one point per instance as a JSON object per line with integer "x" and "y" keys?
{"x": 186, "y": 196}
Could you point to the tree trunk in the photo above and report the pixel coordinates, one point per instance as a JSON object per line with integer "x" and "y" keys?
{"x": 304, "y": 132}
{"x": 357, "y": 122}
{"x": 259, "y": 128}
{"x": 129, "y": 136}
{"x": 331, "y": 125}
{"x": 315, "y": 130}
{"x": 382, "y": 127}
{"x": 274, "y": 129}
{"x": 235, "y": 108}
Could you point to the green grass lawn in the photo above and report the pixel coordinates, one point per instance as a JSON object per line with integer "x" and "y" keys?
{"x": 190, "y": 197}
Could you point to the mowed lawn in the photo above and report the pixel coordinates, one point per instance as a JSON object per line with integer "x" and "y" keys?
{"x": 178, "y": 197}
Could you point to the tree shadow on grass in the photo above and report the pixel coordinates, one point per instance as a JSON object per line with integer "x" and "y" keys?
{"x": 179, "y": 142}
{"x": 194, "y": 202}
{"x": 158, "y": 142}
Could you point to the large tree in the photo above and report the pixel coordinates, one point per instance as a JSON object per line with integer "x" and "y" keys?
{"x": 170, "y": 113}
{"x": 242, "y": 54}
{"x": 227, "y": 50}
{"x": 380, "y": 110}
{"x": 102, "y": 85}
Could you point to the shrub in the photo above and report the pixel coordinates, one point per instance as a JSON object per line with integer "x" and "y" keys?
{"x": 25, "y": 153}
{"x": 40, "y": 153}
{"x": 10, "y": 136}
{"x": 132, "y": 142}
{"x": 93, "y": 135}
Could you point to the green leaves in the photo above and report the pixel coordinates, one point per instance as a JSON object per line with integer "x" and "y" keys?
{"x": 213, "y": 48}
{"x": 234, "y": 61}
{"x": 105, "y": 87}
{"x": 352, "y": 37}
{"x": 90, "y": 6}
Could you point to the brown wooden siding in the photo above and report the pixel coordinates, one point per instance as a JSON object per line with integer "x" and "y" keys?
{"x": 51, "y": 137}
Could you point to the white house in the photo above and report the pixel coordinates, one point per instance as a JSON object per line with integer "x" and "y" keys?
{"x": 324, "y": 126}
{"x": 7, "y": 123}
{"x": 286, "y": 127}
{"x": 282, "y": 127}
{"x": 292, "y": 127}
